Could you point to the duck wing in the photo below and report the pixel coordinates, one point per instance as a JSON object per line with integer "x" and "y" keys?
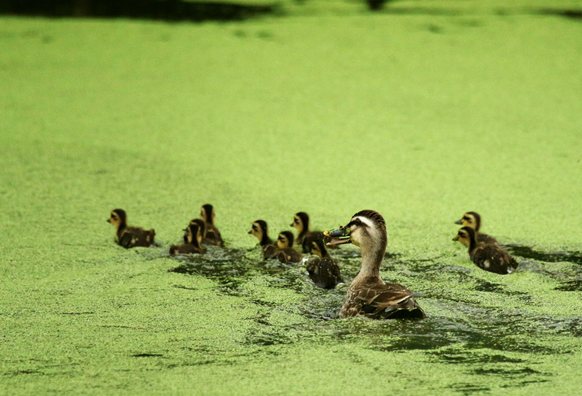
{"x": 324, "y": 273}
{"x": 492, "y": 258}
{"x": 380, "y": 301}
{"x": 486, "y": 239}
{"x": 213, "y": 236}
{"x": 134, "y": 236}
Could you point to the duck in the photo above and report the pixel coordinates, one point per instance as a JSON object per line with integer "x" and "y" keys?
{"x": 473, "y": 220}
{"x": 213, "y": 236}
{"x": 130, "y": 237}
{"x": 285, "y": 252}
{"x": 323, "y": 270}
{"x": 260, "y": 230}
{"x": 193, "y": 237}
{"x": 305, "y": 237}
{"x": 368, "y": 295}
{"x": 202, "y": 225}
{"x": 487, "y": 256}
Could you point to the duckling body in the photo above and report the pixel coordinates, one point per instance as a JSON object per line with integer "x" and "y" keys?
{"x": 323, "y": 270}
{"x": 193, "y": 237}
{"x": 260, "y": 230}
{"x": 489, "y": 257}
{"x": 285, "y": 252}
{"x": 129, "y": 237}
{"x": 473, "y": 220}
{"x": 369, "y": 295}
{"x": 202, "y": 225}
{"x": 212, "y": 236}
{"x": 305, "y": 237}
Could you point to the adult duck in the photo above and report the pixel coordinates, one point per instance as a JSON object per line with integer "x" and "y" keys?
{"x": 368, "y": 295}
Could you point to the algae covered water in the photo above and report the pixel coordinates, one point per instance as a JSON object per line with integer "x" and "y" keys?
{"x": 417, "y": 113}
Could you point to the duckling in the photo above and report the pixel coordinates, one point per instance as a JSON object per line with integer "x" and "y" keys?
{"x": 261, "y": 231}
{"x": 285, "y": 252}
{"x": 202, "y": 225}
{"x": 213, "y": 236}
{"x": 305, "y": 237}
{"x": 194, "y": 237}
{"x": 129, "y": 237}
{"x": 487, "y": 256}
{"x": 323, "y": 270}
{"x": 369, "y": 295}
{"x": 473, "y": 220}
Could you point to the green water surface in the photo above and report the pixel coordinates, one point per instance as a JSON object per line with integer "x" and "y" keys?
{"x": 421, "y": 113}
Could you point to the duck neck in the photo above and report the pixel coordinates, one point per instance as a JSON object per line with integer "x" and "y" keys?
{"x": 122, "y": 226}
{"x": 372, "y": 255}
{"x": 473, "y": 243}
{"x": 265, "y": 240}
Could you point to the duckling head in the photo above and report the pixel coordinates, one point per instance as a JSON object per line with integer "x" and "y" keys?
{"x": 318, "y": 248}
{"x": 300, "y": 222}
{"x": 117, "y": 218}
{"x": 466, "y": 236}
{"x": 470, "y": 219}
{"x": 261, "y": 231}
{"x": 366, "y": 229}
{"x": 207, "y": 213}
{"x": 201, "y": 224}
{"x": 285, "y": 240}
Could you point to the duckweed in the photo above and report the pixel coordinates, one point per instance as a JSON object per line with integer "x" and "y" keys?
{"x": 482, "y": 116}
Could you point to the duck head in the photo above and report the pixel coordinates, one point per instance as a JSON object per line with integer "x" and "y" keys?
{"x": 285, "y": 240}
{"x": 470, "y": 219}
{"x": 466, "y": 236}
{"x": 207, "y": 213}
{"x": 201, "y": 225}
{"x": 118, "y": 218}
{"x": 261, "y": 231}
{"x": 301, "y": 222}
{"x": 366, "y": 229}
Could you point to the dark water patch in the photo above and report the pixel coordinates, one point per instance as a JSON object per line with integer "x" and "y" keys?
{"x": 568, "y": 13}
{"x": 184, "y": 287}
{"x": 468, "y": 389}
{"x": 477, "y": 329}
{"x": 551, "y": 257}
{"x": 147, "y": 355}
{"x": 471, "y": 357}
{"x": 526, "y": 383}
{"x": 573, "y": 285}
{"x": 23, "y": 372}
{"x": 166, "y": 10}
{"x": 489, "y": 287}
{"x": 507, "y": 372}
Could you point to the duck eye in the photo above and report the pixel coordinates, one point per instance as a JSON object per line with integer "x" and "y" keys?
{"x": 255, "y": 228}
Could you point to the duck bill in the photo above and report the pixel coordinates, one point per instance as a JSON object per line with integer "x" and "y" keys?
{"x": 338, "y": 237}
{"x": 459, "y": 221}
{"x": 455, "y": 239}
